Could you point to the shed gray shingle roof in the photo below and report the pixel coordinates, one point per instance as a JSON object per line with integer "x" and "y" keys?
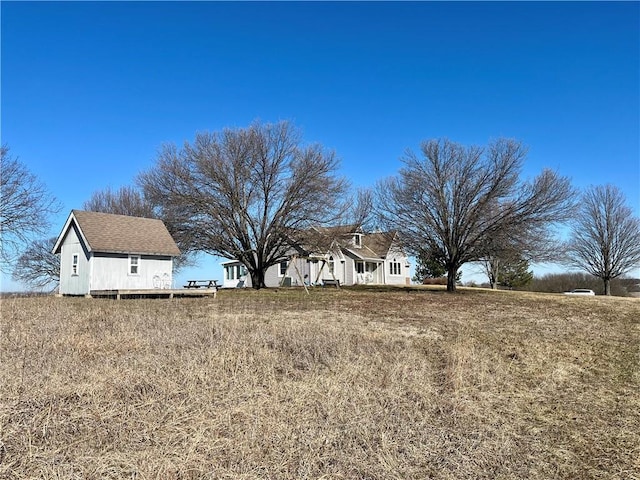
{"x": 109, "y": 233}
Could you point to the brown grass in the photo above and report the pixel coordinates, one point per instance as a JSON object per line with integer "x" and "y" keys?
{"x": 340, "y": 384}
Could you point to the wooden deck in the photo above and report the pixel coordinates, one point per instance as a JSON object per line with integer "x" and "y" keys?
{"x": 155, "y": 293}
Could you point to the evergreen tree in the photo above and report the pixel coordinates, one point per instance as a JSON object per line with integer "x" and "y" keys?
{"x": 515, "y": 274}
{"x": 431, "y": 264}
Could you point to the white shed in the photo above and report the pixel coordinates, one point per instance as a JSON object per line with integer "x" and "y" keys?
{"x": 102, "y": 251}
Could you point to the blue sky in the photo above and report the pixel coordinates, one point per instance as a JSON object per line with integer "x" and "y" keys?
{"x": 91, "y": 90}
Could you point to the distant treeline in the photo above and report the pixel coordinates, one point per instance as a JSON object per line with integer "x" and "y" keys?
{"x": 562, "y": 282}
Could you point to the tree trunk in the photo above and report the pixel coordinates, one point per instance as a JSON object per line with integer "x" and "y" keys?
{"x": 493, "y": 276}
{"x": 452, "y": 272}
{"x": 257, "y": 279}
{"x": 607, "y": 286}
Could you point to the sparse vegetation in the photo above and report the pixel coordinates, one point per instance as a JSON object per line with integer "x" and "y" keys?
{"x": 375, "y": 383}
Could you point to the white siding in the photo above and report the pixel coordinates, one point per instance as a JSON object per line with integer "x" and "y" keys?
{"x": 303, "y": 274}
{"x": 375, "y": 271}
{"x": 350, "y": 273}
{"x": 272, "y": 277}
{"x": 70, "y": 283}
{"x": 111, "y": 272}
{"x": 403, "y": 278}
{"x": 234, "y": 274}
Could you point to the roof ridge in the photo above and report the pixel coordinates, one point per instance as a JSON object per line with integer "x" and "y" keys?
{"x": 93, "y": 212}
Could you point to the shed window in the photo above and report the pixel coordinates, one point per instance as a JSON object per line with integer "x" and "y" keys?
{"x": 74, "y": 264}
{"x": 134, "y": 264}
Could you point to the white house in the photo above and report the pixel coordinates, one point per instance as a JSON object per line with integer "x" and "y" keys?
{"x": 102, "y": 251}
{"x": 347, "y": 254}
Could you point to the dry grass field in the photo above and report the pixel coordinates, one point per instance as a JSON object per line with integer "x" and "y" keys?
{"x": 339, "y": 384}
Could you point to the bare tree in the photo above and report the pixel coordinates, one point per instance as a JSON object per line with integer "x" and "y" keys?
{"x": 245, "y": 193}
{"x": 492, "y": 263}
{"x": 38, "y": 267}
{"x": 510, "y": 247}
{"x": 605, "y": 237}
{"x": 124, "y": 201}
{"x": 25, "y": 204}
{"x": 455, "y": 199}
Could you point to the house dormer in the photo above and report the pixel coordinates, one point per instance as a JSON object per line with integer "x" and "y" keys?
{"x": 357, "y": 240}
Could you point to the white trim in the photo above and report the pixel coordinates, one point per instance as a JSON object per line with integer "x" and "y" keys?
{"x": 234, "y": 270}
{"x": 63, "y": 234}
{"x": 331, "y": 265}
{"x": 136, "y": 265}
{"x": 395, "y": 268}
{"x": 286, "y": 266}
{"x": 75, "y": 264}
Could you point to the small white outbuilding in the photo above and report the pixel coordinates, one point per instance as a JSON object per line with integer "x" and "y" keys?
{"x": 102, "y": 251}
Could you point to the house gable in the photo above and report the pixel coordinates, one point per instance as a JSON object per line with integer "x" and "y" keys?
{"x": 75, "y": 262}
{"x": 71, "y": 225}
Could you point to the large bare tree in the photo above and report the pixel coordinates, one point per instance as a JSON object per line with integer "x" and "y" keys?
{"x": 245, "y": 193}
{"x": 126, "y": 200}
{"x": 605, "y": 237}
{"x": 25, "y": 205}
{"x": 455, "y": 199}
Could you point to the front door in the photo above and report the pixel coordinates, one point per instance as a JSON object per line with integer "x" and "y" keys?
{"x": 373, "y": 272}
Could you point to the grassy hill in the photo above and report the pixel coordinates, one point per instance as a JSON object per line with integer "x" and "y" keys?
{"x": 345, "y": 384}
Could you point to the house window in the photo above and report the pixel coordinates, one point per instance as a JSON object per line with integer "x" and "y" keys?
{"x": 234, "y": 272}
{"x": 359, "y": 267}
{"x": 283, "y": 267}
{"x": 331, "y": 265}
{"x": 395, "y": 268}
{"x": 357, "y": 240}
{"x": 74, "y": 264}
{"x": 134, "y": 264}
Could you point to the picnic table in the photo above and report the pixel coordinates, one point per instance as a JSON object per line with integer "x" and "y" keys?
{"x": 202, "y": 284}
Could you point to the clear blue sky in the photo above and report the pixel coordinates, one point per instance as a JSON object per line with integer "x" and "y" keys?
{"x": 90, "y": 90}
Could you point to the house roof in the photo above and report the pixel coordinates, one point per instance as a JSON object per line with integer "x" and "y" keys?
{"x": 379, "y": 242}
{"x": 109, "y": 233}
{"x": 374, "y": 246}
